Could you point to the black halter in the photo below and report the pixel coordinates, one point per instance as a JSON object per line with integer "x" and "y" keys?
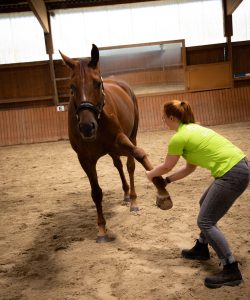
{"x": 97, "y": 109}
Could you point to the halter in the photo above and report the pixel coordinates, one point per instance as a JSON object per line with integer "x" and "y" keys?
{"x": 87, "y": 105}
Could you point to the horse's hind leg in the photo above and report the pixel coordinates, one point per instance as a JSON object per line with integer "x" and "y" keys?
{"x": 118, "y": 164}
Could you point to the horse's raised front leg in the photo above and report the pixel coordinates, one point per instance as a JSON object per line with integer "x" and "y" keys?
{"x": 96, "y": 192}
{"x": 163, "y": 199}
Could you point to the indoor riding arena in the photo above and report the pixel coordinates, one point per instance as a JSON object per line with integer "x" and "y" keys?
{"x": 48, "y": 220}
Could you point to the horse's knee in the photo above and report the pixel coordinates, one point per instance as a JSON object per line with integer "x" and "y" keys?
{"x": 139, "y": 154}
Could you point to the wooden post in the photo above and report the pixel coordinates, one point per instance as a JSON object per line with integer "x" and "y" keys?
{"x": 228, "y": 32}
{"x": 232, "y": 5}
{"x": 39, "y": 9}
{"x": 50, "y": 51}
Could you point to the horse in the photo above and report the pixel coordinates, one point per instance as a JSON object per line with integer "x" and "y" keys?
{"x": 103, "y": 119}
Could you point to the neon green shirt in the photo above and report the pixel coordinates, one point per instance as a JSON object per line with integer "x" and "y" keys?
{"x": 204, "y": 147}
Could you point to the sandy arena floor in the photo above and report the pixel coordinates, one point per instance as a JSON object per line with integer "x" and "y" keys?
{"x": 48, "y": 229}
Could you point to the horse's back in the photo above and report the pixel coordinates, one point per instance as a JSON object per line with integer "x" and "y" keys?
{"x": 121, "y": 101}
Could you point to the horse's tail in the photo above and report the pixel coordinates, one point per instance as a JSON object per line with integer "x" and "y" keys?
{"x": 136, "y": 112}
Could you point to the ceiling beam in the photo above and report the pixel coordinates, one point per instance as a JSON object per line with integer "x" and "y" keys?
{"x": 232, "y": 5}
{"x": 40, "y": 11}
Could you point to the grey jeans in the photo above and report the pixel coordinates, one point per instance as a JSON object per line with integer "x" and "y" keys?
{"x": 215, "y": 203}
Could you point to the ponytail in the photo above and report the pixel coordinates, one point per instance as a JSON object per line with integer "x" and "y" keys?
{"x": 180, "y": 110}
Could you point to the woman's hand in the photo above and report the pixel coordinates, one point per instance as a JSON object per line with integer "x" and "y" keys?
{"x": 163, "y": 168}
{"x": 148, "y": 175}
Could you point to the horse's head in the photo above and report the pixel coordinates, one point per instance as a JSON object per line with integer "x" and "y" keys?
{"x": 87, "y": 92}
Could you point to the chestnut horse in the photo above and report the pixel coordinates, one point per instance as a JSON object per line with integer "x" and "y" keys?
{"x": 103, "y": 119}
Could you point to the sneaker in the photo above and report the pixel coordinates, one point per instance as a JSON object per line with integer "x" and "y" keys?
{"x": 199, "y": 252}
{"x": 229, "y": 276}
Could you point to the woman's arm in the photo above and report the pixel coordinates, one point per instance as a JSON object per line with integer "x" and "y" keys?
{"x": 165, "y": 167}
{"x": 182, "y": 172}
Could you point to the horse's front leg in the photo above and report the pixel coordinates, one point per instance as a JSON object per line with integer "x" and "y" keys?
{"x": 129, "y": 191}
{"x": 118, "y": 164}
{"x": 163, "y": 199}
{"x": 133, "y": 196}
{"x": 96, "y": 193}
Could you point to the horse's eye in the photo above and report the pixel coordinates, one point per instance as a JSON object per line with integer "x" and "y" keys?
{"x": 97, "y": 84}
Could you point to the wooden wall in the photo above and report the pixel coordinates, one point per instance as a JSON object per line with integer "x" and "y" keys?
{"x": 27, "y": 81}
{"x": 241, "y": 57}
{"x": 210, "y": 107}
{"x": 32, "y": 125}
{"x": 209, "y": 76}
{"x": 28, "y": 114}
{"x": 175, "y": 75}
{"x": 30, "y": 85}
{"x": 205, "y": 54}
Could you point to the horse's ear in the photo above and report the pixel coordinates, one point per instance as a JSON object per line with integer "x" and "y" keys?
{"x": 68, "y": 61}
{"x": 94, "y": 57}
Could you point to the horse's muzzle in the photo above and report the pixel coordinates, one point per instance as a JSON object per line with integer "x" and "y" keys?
{"x": 88, "y": 130}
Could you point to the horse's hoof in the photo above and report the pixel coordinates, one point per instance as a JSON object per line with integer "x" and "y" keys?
{"x": 104, "y": 239}
{"x": 164, "y": 202}
{"x": 134, "y": 209}
{"x": 126, "y": 199}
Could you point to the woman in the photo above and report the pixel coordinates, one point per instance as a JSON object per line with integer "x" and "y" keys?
{"x": 203, "y": 147}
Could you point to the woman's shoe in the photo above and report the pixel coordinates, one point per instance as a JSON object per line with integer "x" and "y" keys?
{"x": 229, "y": 276}
{"x": 199, "y": 252}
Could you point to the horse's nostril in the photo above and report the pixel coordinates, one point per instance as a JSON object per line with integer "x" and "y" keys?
{"x": 81, "y": 127}
{"x": 87, "y": 128}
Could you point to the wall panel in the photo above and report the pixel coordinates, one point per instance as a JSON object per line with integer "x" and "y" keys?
{"x": 33, "y": 125}
{"x": 22, "y": 81}
{"x": 209, "y": 76}
{"x": 210, "y": 107}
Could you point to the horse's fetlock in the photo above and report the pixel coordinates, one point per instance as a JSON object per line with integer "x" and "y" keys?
{"x": 133, "y": 196}
{"x": 159, "y": 183}
{"x": 101, "y": 223}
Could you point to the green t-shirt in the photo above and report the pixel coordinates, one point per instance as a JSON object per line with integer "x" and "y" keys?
{"x": 204, "y": 147}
